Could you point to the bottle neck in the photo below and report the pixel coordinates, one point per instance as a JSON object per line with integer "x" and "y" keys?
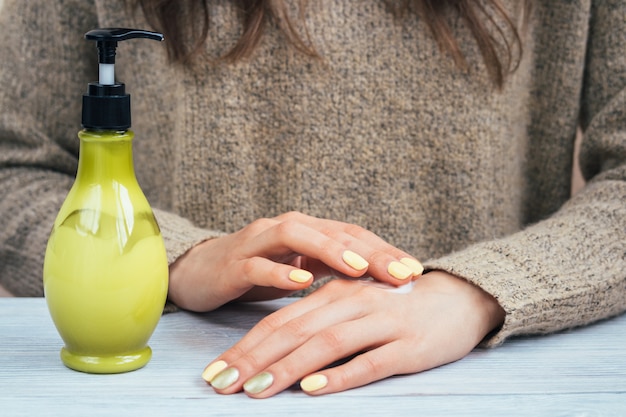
{"x": 105, "y": 156}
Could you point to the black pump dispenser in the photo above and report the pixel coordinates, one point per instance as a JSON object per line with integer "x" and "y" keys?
{"x": 106, "y": 106}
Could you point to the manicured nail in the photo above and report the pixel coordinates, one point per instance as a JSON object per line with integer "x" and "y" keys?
{"x": 354, "y": 260}
{"x": 213, "y": 369}
{"x": 225, "y": 379}
{"x": 313, "y": 382}
{"x": 414, "y": 265}
{"x": 399, "y": 270}
{"x": 259, "y": 383}
{"x": 300, "y": 275}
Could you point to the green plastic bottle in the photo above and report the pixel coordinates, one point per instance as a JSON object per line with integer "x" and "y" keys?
{"x": 105, "y": 271}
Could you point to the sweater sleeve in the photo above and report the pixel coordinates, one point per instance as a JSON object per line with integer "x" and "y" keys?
{"x": 569, "y": 270}
{"x": 44, "y": 71}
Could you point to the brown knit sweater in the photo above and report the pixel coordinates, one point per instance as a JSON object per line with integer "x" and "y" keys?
{"x": 382, "y": 131}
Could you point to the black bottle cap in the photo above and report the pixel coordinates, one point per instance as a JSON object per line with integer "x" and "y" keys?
{"x": 106, "y": 106}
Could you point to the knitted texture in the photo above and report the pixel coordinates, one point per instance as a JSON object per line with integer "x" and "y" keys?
{"x": 382, "y": 130}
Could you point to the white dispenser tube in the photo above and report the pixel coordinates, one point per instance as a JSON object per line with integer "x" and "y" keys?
{"x": 106, "y": 73}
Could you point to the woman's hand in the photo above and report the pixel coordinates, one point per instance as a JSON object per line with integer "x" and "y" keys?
{"x": 385, "y": 333}
{"x": 273, "y": 257}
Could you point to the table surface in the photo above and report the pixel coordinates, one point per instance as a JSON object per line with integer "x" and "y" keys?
{"x": 576, "y": 372}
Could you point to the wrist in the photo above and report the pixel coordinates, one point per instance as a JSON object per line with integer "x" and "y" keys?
{"x": 483, "y": 305}
{"x": 182, "y": 290}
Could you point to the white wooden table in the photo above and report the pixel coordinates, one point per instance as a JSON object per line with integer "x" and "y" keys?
{"x": 575, "y": 373}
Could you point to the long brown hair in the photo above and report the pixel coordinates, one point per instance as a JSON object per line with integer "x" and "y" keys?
{"x": 496, "y": 34}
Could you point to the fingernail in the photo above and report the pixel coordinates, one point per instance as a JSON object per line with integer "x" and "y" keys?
{"x": 259, "y": 383}
{"x": 414, "y": 265}
{"x": 213, "y": 369}
{"x": 313, "y": 382}
{"x": 300, "y": 275}
{"x": 354, "y": 260}
{"x": 225, "y": 379}
{"x": 399, "y": 270}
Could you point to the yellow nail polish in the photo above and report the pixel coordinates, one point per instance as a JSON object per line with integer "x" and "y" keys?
{"x": 213, "y": 369}
{"x": 399, "y": 270}
{"x": 225, "y": 379}
{"x": 414, "y": 265}
{"x": 354, "y": 260}
{"x": 300, "y": 275}
{"x": 313, "y": 382}
{"x": 259, "y": 383}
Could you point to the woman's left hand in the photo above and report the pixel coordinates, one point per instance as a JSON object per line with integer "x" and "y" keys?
{"x": 384, "y": 333}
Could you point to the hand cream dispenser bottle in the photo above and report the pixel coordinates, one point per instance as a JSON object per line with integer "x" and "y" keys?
{"x": 105, "y": 272}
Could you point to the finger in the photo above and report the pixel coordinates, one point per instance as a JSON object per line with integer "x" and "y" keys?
{"x": 271, "y": 324}
{"x": 321, "y": 336}
{"x": 349, "y": 254}
{"x": 261, "y": 279}
{"x": 355, "y": 231}
{"x": 288, "y": 239}
{"x": 363, "y": 369}
{"x": 325, "y": 347}
{"x": 382, "y": 256}
{"x": 264, "y": 272}
{"x": 387, "y": 263}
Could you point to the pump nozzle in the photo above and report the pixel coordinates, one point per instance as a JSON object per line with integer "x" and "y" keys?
{"x": 106, "y": 41}
{"x": 106, "y": 105}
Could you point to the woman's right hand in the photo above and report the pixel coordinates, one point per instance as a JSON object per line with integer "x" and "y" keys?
{"x": 271, "y": 258}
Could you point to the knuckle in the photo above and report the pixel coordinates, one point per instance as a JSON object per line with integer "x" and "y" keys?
{"x": 379, "y": 258}
{"x": 370, "y": 365}
{"x": 252, "y": 362}
{"x": 354, "y": 230}
{"x": 284, "y": 229}
{"x": 330, "y": 232}
{"x": 270, "y": 324}
{"x": 297, "y": 328}
{"x": 259, "y": 225}
{"x": 249, "y": 266}
{"x": 235, "y": 352}
{"x": 292, "y": 215}
{"x": 342, "y": 378}
{"x": 333, "y": 341}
